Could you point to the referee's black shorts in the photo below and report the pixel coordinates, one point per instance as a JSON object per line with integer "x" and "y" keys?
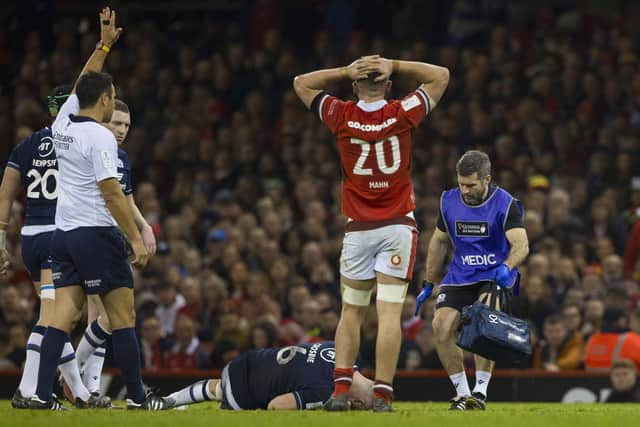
{"x": 458, "y": 296}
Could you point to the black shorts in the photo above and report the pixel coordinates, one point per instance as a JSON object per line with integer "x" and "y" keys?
{"x": 93, "y": 257}
{"x": 36, "y": 253}
{"x": 459, "y": 296}
{"x": 234, "y": 382}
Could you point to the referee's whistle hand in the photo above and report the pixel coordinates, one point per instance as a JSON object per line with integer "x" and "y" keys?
{"x": 140, "y": 254}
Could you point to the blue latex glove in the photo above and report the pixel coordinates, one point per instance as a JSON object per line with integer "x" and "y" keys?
{"x": 427, "y": 288}
{"x": 503, "y": 276}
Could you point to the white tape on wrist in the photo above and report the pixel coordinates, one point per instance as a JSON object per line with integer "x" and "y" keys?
{"x": 356, "y": 296}
{"x": 3, "y": 239}
{"x": 392, "y": 293}
{"x": 47, "y": 291}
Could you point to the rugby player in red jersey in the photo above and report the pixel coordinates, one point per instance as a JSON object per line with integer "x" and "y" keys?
{"x": 374, "y": 138}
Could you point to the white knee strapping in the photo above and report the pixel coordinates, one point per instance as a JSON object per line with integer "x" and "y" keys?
{"x": 47, "y": 291}
{"x": 356, "y": 296}
{"x": 392, "y": 293}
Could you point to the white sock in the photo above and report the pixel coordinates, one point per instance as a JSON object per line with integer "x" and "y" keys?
{"x": 482, "y": 382}
{"x": 93, "y": 337}
{"x": 92, "y": 370}
{"x": 71, "y": 374}
{"x": 461, "y": 384}
{"x": 197, "y": 392}
{"x": 29, "y": 380}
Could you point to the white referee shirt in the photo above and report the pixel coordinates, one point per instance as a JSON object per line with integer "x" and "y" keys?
{"x": 87, "y": 153}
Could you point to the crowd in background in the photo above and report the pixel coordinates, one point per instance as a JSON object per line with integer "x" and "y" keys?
{"x": 242, "y": 185}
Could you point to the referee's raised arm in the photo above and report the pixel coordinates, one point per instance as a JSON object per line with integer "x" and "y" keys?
{"x": 109, "y": 35}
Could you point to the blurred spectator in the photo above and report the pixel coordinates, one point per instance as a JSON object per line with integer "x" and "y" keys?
{"x": 560, "y": 349}
{"x": 152, "y": 344}
{"x": 192, "y": 294}
{"x": 224, "y": 351}
{"x": 169, "y": 303}
{"x": 624, "y": 382}
{"x": 426, "y": 346}
{"x": 187, "y": 352}
{"x": 232, "y": 328}
{"x": 328, "y": 323}
{"x": 535, "y": 304}
{"x": 572, "y": 317}
{"x": 264, "y": 335}
{"x": 614, "y": 342}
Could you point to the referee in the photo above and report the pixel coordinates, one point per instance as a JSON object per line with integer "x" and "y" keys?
{"x": 484, "y": 223}
{"x": 89, "y": 255}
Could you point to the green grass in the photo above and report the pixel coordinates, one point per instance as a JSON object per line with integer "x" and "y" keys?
{"x": 407, "y": 414}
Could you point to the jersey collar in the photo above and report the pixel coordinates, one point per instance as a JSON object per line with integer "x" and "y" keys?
{"x": 371, "y": 106}
{"x": 80, "y": 119}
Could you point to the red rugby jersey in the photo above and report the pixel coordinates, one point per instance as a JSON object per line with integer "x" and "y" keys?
{"x": 374, "y": 140}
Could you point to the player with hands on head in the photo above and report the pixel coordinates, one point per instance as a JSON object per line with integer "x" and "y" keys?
{"x": 374, "y": 138}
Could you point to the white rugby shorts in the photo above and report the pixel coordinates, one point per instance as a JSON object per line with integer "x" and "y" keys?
{"x": 390, "y": 250}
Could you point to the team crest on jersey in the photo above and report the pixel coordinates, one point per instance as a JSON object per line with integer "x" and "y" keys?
{"x": 45, "y": 148}
{"x": 328, "y": 355}
{"x": 396, "y": 260}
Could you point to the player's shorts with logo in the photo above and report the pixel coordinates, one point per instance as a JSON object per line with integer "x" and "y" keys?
{"x": 460, "y": 296}
{"x": 93, "y": 257}
{"x": 36, "y": 253}
{"x": 370, "y": 247}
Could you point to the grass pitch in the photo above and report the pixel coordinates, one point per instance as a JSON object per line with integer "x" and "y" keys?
{"x": 410, "y": 414}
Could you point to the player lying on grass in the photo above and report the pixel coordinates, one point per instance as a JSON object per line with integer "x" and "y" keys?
{"x": 294, "y": 377}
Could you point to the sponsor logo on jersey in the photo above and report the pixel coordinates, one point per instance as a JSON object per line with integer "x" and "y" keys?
{"x": 472, "y": 228}
{"x": 328, "y": 355}
{"x": 120, "y": 163}
{"x": 441, "y": 298}
{"x": 372, "y": 127}
{"x": 483, "y": 259}
{"x": 396, "y": 260}
{"x": 60, "y": 137}
{"x": 409, "y": 103}
{"x": 45, "y": 148}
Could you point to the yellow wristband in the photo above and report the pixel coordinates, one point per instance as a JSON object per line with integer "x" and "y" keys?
{"x": 106, "y": 48}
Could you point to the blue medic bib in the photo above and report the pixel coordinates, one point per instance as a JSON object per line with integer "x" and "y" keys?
{"x": 478, "y": 235}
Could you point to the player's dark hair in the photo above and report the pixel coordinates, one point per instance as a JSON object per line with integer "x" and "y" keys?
{"x": 474, "y": 161}
{"x": 121, "y": 106}
{"x": 91, "y": 86}
{"x": 57, "y": 97}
